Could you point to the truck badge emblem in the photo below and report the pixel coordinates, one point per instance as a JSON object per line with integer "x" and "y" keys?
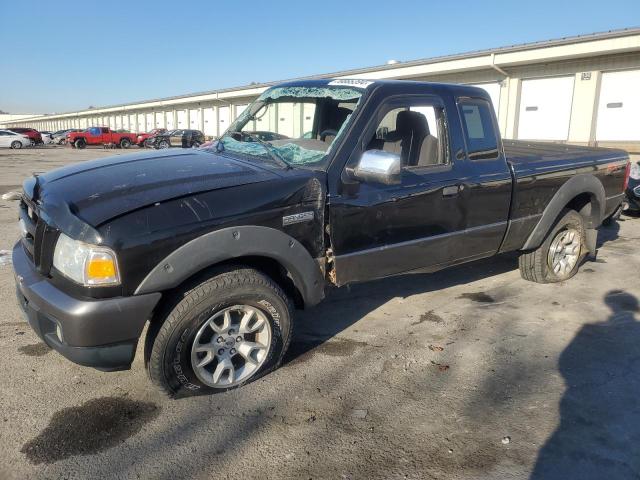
{"x": 297, "y": 218}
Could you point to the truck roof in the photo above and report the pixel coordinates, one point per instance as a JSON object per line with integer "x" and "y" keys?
{"x": 370, "y": 85}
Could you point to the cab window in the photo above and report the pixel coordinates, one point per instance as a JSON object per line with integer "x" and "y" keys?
{"x": 479, "y": 131}
{"x": 416, "y": 132}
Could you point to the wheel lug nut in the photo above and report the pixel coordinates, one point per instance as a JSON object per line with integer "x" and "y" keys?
{"x": 238, "y": 339}
{"x": 232, "y": 351}
{"x": 220, "y": 340}
{"x": 221, "y": 351}
{"x": 231, "y": 332}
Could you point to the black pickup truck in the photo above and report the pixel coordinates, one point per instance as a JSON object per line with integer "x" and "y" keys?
{"x": 216, "y": 247}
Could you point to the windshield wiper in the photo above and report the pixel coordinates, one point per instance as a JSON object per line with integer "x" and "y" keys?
{"x": 273, "y": 153}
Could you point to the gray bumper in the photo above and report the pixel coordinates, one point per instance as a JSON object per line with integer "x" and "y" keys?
{"x": 97, "y": 333}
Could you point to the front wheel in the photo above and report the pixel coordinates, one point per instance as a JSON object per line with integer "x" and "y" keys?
{"x": 223, "y": 333}
{"x": 80, "y": 143}
{"x": 16, "y": 144}
{"x": 560, "y": 255}
{"x": 163, "y": 144}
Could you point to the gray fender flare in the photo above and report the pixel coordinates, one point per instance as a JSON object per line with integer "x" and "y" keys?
{"x": 577, "y": 185}
{"x": 236, "y": 242}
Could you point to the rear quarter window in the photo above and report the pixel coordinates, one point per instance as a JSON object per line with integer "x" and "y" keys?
{"x": 479, "y": 131}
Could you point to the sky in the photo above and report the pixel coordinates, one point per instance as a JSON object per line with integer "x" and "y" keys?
{"x": 69, "y": 55}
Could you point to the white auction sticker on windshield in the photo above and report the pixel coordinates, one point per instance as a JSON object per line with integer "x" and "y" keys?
{"x": 351, "y": 82}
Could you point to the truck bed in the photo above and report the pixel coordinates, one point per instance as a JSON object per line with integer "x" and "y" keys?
{"x": 541, "y": 168}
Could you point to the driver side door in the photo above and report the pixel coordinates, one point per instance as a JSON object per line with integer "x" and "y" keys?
{"x": 380, "y": 230}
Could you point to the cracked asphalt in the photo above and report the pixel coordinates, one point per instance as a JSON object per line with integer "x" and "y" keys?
{"x": 463, "y": 374}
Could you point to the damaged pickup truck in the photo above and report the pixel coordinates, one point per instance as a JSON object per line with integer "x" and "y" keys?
{"x": 215, "y": 248}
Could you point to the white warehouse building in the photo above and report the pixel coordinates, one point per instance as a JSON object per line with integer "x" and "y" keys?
{"x": 583, "y": 90}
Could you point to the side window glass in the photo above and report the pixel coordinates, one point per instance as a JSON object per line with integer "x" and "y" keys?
{"x": 415, "y": 132}
{"x": 480, "y": 135}
{"x": 94, "y": 131}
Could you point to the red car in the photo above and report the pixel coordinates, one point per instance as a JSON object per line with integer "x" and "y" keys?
{"x": 100, "y": 136}
{"x": 142, "y": 137}
{"x": 32, "y": 133}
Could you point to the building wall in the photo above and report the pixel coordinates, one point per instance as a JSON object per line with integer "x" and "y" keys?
{"x": 511, "y": 83}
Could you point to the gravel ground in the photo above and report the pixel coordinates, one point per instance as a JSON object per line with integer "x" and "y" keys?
{"x": 463, "y": 374}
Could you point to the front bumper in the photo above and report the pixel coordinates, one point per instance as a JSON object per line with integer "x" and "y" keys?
{"x": 95, "y": 333}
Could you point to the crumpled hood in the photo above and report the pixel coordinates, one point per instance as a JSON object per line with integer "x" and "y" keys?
{"x": 99, "y": 190}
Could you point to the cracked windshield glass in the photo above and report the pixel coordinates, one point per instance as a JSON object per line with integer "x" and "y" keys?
{"x": 292, "y": 126}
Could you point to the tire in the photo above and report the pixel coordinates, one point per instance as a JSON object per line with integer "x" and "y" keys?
{"x": 162, "y": 145}
{"x": 538, "y": 265}
{"x": 125, "y": 143}
{"x": 80, "y": 143}
{"x": 16, "y": 145}
{"x": 172, "y": 362}
{"x": 195, "y": 145}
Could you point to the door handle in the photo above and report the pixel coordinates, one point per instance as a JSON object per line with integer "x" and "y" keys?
{"x": 451, "y": 191}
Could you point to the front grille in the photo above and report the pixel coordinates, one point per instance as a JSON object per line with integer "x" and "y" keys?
{"x": 38, "y": 238}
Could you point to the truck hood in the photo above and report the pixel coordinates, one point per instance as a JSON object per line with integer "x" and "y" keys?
{"x": 99, "y": 190}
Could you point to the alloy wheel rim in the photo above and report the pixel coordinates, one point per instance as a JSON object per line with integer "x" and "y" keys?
{"x": 231, "y": 346}
{"x": 564, "y": 251}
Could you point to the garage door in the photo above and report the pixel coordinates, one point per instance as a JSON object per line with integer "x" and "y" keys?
{"x": 150, "y": 121}
{"x": 285, "y": 119}
{"x": 141, "y": 126}
{"x": 170, "y": 122}
{"x": 239, "y": 110}
{"x": 159, "y": 119}
{"x": 223, "y": 119}
{"x": 493, "y": 89}
{"x": 209, "y": 127}
{"x": 194, "y": 119}
{"x": 545, "y": 108}
{"x": 618, "y": 107}
{"x": 182, "y": 119}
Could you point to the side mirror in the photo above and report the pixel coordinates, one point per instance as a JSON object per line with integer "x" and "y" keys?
{"x": 378, "y": 166}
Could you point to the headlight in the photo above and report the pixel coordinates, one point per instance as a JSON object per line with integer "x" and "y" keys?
{"x": 89, "y": 265}
{"x": 634, "y": 172}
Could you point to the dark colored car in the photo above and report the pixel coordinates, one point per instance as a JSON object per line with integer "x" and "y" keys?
{"x": 176, "y": 138}
{"x": 632, "y": 192}
{"x": 142, "y": 138}
{"x": 32, "y": 133}
{"x": 216, "y": 247}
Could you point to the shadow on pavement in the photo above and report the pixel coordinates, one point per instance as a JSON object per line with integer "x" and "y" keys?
{"x": 599, "y": 432}
{"x": 345, "y": 306}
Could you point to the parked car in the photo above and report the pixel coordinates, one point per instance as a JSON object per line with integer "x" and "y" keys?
{"x": 47, "y": 137}
{"x": 216, "y": 247}
{"x": 60, "y": 136}
{"x": 100, "y": 136}
{"x": 632, "y": 193}
{"x": 32, "y": 133}
{"x": 142, "y": 138}
{"x": 13, "y": 140}
{"x": 177, "y": 138}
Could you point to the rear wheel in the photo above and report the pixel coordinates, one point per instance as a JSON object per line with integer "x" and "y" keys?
{"x": 560, "y": 255}
{"x": 16, "y": 144}
{"x": 80, "y": 143}
{"x": 226, "y": 331}
{"x": 125, "y": 143}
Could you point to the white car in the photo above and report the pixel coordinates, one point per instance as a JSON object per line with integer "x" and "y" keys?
{"x": 13, "y": 140}
{"x": 47, "y": 137}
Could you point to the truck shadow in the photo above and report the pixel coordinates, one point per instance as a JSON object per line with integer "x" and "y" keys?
{"x": 347, "y": 305}
{"x": 599, "y": 430}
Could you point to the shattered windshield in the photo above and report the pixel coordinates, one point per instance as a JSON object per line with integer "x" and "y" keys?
{"x": 292, "y": 126}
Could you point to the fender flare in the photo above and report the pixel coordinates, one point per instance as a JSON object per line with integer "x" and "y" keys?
{"x": 577, "y": 185}
{"x": 236, "y": 242}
